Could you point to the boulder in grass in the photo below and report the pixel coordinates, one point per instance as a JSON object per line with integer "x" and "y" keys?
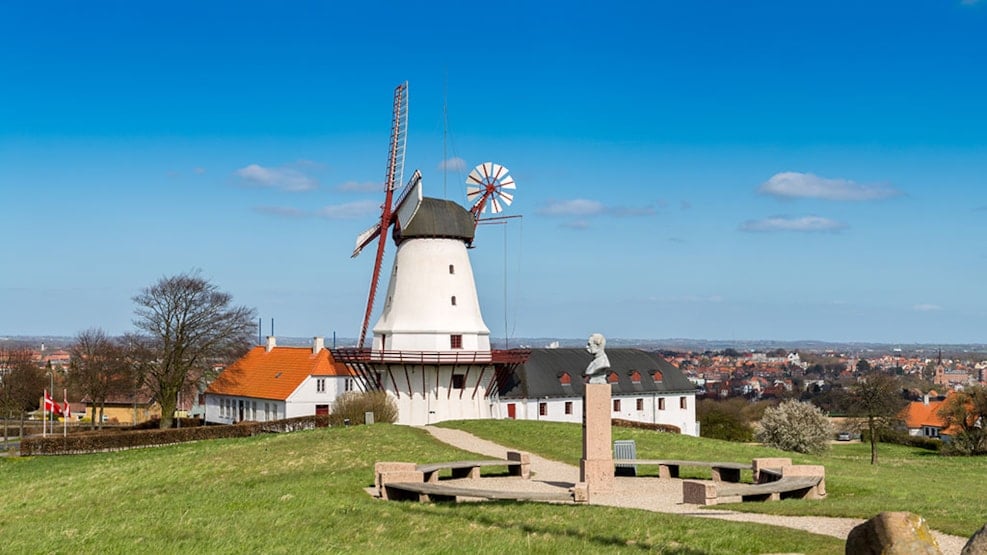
{"x": 977, "y": 544}
{"x": 892, "y": 533}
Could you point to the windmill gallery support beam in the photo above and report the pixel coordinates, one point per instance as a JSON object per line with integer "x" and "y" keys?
{"x": 368, "y": 364}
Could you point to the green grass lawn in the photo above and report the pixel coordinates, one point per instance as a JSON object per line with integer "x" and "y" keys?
{"x": 948, "y": 491}
{"x": 303, "y": 493}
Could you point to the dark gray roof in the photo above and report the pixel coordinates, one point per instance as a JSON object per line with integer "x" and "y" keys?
{"x": 438, "y": 218}
{"x": 540, "y": 376}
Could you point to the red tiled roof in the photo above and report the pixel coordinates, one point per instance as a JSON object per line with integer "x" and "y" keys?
{"x": 275, "y": 374}
{"x": 918, "y": 414}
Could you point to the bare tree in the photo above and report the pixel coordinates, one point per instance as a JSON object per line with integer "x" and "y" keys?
{"x": 21, "y": 382}
{"x": 190, "y": 325}
{"x": 98, "y": 369}
{"x": 965, "y": 414}
{"x": 877, "y": 397}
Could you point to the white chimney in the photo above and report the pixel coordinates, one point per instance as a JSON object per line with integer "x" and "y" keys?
{"x": 271, "y": 343}
{"x": 318, "y": 343}
{"x": 925, "y": 399}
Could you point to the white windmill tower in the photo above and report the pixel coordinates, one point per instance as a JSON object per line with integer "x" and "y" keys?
{"x": 430, "y": 343}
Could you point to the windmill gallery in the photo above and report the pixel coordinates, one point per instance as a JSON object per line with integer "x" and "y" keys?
{"x": 430, "y": 348}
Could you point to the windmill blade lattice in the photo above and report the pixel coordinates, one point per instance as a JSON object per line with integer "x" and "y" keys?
{"x": 489, "y": 186}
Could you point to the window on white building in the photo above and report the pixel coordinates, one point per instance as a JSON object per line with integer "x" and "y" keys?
{"x": 640, "y": 404}
{"x": 661, "y": 403}
{"x": 348, "y": 384}
{"x": 682, "y": 402}
{"x": 542, "y": 409}
{"x": 568, "y": 407}
{"x": 320, "y": 385}
{"x": 456, "y": 341}
{"x": 616, "y": 405}
{"x": 458, "y": 381}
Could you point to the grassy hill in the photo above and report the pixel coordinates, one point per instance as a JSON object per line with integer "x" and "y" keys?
{"x": 303, "y": 493}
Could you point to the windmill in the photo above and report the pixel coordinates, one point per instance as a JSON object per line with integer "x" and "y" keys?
{"x": 430, "y": 347}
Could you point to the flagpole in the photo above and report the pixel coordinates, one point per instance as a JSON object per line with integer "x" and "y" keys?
{"x": 44, "y": 415}
{"x": 65, "y": 413}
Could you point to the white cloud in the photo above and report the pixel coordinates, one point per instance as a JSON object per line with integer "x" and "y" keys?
{"x": 283, "y": 178}
{"x": 574, "y": 207}
{"x": 351, "y": 210}
{"x": 577, "y": 224}
{"x": 282, "y": 211}
{"x": 925, "y": 307}
{"x": 365, "y": 187}
{"x": 199, "y": 170}
{"x": 801, "y": 224}
{"x": 455, "y": 164}
{"x": 807, "y": 185}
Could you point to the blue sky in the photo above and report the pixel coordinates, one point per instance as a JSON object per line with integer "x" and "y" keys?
{"x": 718, "y": 170}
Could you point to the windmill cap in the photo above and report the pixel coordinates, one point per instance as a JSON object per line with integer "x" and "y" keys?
{"x": 438, "y": 218}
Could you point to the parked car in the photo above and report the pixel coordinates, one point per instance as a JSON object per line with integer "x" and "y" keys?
{"x": 844, "y": 436}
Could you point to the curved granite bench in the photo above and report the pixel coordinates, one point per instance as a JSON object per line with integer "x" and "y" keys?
{"x": 722, "y": 471}
{"x": 424, "y": 491}
{"x": 792, "y": 481}
{"x": 471, "y": 469}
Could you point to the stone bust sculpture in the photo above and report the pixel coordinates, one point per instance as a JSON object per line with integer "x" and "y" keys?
{"x": 597, "y": 368}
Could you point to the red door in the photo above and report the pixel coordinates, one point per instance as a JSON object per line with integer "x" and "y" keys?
{"x": 321, "y": 409}
{"x": 511, "y": 411}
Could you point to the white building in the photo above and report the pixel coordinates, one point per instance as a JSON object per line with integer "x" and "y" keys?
{"x": 272, "y": 383}
{"x": 644, "y": 388}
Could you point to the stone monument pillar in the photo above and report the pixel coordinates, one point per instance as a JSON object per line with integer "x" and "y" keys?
{"x": 596, "y": 466}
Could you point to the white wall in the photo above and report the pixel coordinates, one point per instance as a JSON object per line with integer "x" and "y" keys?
{"x": 259, "y": 410}
{"x": 434, "y": 400}
{"x": 303, "y": 400}
{"x": 684, "y": 419}
{"x": 418, "y": 313}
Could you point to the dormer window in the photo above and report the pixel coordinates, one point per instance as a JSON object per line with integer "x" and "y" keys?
{"x": 565, "y": 378}
{"x": 613, "y": 378}
{"x": 635, "y": 377}
{"x": 657, "y": 376}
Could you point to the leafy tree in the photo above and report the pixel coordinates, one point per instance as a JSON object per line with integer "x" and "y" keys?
{"x": 98, "y": 369}
{"x": 794, "y": 426}
{"x": 724, "y": 420}
{"x": 189, "y": 325}
{"x": 966, "y": 411}
{"x": 21, "y": 383}
{"x": 863, "y": 366}
{"x": 877, "y": 397}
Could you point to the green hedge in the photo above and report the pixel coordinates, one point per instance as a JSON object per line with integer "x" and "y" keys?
{"x": 619, "y": 422}
{"x": 93, "y": 442}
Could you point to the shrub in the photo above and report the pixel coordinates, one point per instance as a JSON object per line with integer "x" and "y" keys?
{"x": 353, "y": 405}
{"x": 795, "y": 426}
{"x": 902, "y": 438}
{"x": 723, "y": 420}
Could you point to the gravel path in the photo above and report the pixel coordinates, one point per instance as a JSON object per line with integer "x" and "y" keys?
{"x": 651, "y": 494}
